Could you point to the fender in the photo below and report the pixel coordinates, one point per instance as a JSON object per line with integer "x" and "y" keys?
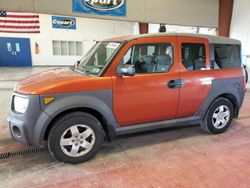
{"x": 99, "y": 100}
{"x": 232, "y": 86}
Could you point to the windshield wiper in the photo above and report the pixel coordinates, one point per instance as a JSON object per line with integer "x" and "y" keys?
{"x": 83, "y": 69}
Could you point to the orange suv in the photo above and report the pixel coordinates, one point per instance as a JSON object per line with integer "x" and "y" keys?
{"x": 130, "y": 84}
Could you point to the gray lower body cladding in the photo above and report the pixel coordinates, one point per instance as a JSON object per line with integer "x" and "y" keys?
{"x": 38, "y": 116}
{"x": 158, "y": 125}
{"x": 230, "y": 86}
{"x": 27, "y": 122}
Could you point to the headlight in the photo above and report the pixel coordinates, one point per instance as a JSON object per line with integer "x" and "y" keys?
{"x": 20, "y": 104}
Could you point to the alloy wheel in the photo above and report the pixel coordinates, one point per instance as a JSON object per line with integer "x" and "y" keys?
{"x": 221, "y": 117}
{"x": 77, "y": 140}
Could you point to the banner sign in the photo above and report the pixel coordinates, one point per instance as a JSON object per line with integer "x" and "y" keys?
{"x": 101, "y": 7}
{"x": 60, "y": 22}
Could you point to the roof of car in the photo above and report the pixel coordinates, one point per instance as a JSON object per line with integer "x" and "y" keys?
{"x": 211, "y": 38}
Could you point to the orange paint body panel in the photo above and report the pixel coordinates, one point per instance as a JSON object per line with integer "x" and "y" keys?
{"x": 62, "y": 80}
{"x": 196, "y": 87}
{"x": 145, "y": 97}
{"x": 197, "y": 84}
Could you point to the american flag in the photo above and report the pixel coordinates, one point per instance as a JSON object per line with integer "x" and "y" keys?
{"x": 19, "y": 22}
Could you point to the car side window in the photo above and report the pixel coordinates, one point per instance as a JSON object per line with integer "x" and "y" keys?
{"x": 193, "y": 56}
{"x": 150, "y": 58}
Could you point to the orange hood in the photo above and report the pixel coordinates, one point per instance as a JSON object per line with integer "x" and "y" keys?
{"x": 60, "y": 81}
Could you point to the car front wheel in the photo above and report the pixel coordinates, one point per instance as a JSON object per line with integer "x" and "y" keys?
{"x": 75, "y": 138}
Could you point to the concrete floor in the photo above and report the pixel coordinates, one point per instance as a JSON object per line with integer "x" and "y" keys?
{"x": 183, "y": 157}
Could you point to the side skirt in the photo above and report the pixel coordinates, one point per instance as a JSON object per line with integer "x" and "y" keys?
{"x": 158, "y": 125}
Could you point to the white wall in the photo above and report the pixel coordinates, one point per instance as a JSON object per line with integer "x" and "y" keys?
{"x": 87, "y": 30}
{"x": 240, "y": 28}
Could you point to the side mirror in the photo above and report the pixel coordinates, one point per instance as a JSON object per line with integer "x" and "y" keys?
{"x": 126, "y": 70}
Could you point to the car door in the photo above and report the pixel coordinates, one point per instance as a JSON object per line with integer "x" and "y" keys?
{"x": 195, "y": 74}
{"x": 151, "y": 94}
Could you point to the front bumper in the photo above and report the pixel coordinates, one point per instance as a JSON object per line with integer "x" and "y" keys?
{"x": 17, "y": 130}
{"x": 26, "y": 128}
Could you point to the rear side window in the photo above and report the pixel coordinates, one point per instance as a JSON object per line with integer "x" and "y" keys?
{"x": 226, "y": 56}
{"x": 193, "y": 56}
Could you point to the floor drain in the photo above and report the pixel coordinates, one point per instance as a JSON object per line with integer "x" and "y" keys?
{"x": 24, "y": 152}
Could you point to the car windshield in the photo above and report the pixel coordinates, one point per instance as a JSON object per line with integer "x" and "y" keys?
{"x": 96, "y": 59}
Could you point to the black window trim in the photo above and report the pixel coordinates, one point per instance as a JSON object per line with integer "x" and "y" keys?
{"x": 212, "y": 56}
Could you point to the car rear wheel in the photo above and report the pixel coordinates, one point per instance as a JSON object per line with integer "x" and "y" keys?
{"x": 75, "y": 138}
{"x": 219, "y": 116}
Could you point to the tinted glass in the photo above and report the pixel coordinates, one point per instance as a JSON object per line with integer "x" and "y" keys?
{"x": 193, "y": 56}
{"x": 150, "y": 58}
{"x": 227, "y": 56}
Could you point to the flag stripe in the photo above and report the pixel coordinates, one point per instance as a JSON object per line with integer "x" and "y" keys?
{"x": 21, "y": 14}
{"x": 19, "y": 27}
{"x": 19, "y": 22}
{"x": 22, "y": 19}
{"x": 16, "y": 16}
{"x": 16, "y": 31}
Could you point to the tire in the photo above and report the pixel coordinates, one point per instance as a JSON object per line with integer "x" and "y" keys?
{"x": 75, "y": 138}
{"x": 219, "y": 116}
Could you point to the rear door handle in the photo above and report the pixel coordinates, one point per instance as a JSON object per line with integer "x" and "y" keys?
{"x": 175, "y": 83}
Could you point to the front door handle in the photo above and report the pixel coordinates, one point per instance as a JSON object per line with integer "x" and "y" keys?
{"x": 175, "y": 83}
{"x": 171, "y": 84}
